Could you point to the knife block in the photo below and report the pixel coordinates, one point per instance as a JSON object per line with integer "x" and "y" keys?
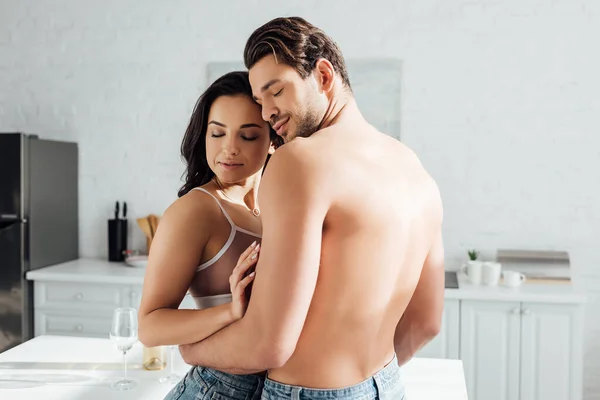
{"x": 117, "y": 239}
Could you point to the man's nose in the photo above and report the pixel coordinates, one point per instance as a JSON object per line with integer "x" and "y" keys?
{"x": 269, "y": 111}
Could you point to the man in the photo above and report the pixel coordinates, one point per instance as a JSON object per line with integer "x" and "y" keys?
{"x": 350, "y": 279}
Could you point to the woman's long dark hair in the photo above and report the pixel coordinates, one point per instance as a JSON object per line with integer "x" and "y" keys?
{"x": 193, "y": 147}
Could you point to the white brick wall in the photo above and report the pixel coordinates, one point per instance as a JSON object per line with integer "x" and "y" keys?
{"x": 501, "y": 101}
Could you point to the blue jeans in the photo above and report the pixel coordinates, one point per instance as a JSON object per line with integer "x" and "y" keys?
{"x": 206, "y": 383}
{"x": 383, "y": 385}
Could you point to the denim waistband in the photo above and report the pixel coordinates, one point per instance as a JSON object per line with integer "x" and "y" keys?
{"x": 243, "y": 382}
{"x": 386, "y": 378}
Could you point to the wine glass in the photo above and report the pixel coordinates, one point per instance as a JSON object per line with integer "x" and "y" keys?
{"x": 172, "y": 377}
{"x": 124, "y": 333}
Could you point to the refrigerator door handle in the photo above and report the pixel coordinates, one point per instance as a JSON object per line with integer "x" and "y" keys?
{"x": 7, "y": 223}
{"x": 10, "y": 217}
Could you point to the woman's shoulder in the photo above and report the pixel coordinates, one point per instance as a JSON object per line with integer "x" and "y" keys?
{"x": 196, "y": 205}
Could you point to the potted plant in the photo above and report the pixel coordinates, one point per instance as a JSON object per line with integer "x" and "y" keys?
{"x": 473, "y": 254}
{"x": 472, "y": 269}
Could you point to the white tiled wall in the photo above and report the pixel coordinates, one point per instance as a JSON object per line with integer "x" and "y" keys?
{"x": 501, "y": 101}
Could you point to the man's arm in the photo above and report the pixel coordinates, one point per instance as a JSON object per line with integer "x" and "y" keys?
{"x": 293, "y": 211}
{"x": 423, "y": 315}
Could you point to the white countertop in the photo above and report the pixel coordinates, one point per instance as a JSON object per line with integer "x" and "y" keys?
{"x": 531, "y": 292}
{"x": 86, "y": 270}
{"x": 60, "y": 367}
{"x": 101, "y": 271}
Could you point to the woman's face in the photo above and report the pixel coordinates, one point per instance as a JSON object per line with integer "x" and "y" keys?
{"x": 237, "y": 138}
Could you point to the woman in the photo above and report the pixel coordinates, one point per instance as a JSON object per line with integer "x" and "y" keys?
{"x": 203, "y": 234}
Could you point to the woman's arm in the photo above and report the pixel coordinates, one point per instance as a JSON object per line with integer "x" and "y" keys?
{"x": 176, "y": 250}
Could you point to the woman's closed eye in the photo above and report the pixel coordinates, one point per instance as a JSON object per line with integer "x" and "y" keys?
{"x": 278, "y": 92}
{"x": 248, "y": 138}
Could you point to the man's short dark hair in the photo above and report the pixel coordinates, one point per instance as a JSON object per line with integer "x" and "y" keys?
{"x": 297, "y": 43}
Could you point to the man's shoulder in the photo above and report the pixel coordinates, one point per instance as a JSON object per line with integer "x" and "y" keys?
{"x": 295, "y": 166}
{"x": 300, "y": 152}
{"x": 412, "y": 163}
{"x": 409, "y": 158}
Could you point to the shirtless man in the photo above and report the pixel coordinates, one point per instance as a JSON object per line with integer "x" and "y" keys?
{"x": 350, "y": 279}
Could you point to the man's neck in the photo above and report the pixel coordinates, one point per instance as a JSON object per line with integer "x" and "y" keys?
{"x": 341, "y": 109}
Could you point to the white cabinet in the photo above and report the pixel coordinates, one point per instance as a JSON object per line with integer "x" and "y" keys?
{"x": 489, "y": 349}
{"x": 551, "y": 351}
{"x": 68, "y": 323}
{"x": 134, "y": 297}
{"x": 521, "y": 350}
{"x": 77, "y": 309}
{"x": 83, "y": 309}
{"x": 78, "y": 296}
{"x": 446, "y": 343}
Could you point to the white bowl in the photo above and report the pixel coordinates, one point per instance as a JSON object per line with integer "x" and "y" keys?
{"x": 137, "y": 261}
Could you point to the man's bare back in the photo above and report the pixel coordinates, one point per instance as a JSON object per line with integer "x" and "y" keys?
{"x": 384, "y": 218}
{"x": 351, "y": 261}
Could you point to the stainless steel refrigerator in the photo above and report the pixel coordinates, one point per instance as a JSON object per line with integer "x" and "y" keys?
{"x": 38, "y": 222}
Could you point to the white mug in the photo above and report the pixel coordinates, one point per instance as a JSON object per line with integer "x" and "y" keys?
{"x": 513, "y": 278}
{"x": 473, "y": 271}
{"x": 490, "y": 274}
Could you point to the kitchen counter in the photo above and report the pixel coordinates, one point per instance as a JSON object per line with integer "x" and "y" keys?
{"x": 56, "y": 367}
{"x": 100, "y": 271}
{"x": 564, "y": 293}
{"x": 86, "y": 270}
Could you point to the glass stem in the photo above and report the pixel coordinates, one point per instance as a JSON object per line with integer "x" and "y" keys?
{"x": 124, "y": 366}
{"x": 172, "y": 367}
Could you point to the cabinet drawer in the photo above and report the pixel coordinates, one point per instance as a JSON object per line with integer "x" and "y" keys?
{"x": 78, "y": 296}
{"x": 49, "y": 323}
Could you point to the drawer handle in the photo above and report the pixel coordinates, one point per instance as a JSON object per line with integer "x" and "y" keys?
{"x": 133, "y": 295}
{"x": 78, "y": 296}
{"x": 526, "y": 312}
{"x": 516, "y": 311}
{"x": 79, "y": 328}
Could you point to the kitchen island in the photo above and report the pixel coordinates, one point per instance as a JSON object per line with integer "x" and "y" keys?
{"x": 62, "y": 367}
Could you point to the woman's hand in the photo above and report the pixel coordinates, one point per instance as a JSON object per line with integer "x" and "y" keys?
{"x": 240, "y": 279}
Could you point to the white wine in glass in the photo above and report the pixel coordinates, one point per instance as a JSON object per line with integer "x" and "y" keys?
{"x": 124, "y": 334}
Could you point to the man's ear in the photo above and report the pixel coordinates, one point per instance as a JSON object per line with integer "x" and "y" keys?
{"x": 325, "y": 74}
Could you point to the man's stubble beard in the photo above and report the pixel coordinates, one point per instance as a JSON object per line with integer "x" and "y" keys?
{"x": 308, "y": 122}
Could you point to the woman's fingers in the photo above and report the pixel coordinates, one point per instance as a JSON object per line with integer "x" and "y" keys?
{"x": 246, "y": 252}
{"x": 250, "y": 258}
{"x": 245, "y": 282}
{"x": 242, "y": 267}
{"x": 239, "y": 271}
